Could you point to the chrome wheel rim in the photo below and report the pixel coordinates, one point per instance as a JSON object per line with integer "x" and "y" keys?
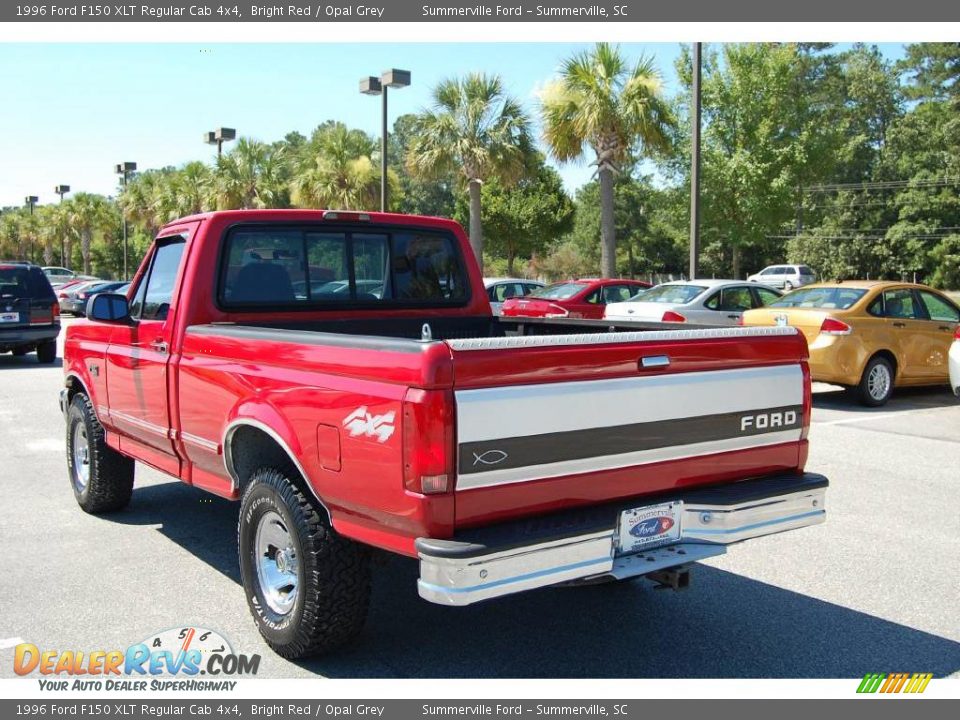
{"x": 878, "y": 382}
{"x": 81, "y": 457}
{"x": 277, "y": 563}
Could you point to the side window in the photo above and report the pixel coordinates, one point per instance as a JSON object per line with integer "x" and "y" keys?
{"x": 938, "y": 308}
{"x": 615, "y": 293}
{"x": 764, "y": 296}
{"x": 492, "y": 293}
{"x": 900, "y": 304}
{"x": 712, "y": 302}
{"x": 593, "y": 298}
{"x": 876, "y": 307}
{"x": 158, "y": 288}
{"x": 527, "y": 289}
{"x": 735, "y": 299}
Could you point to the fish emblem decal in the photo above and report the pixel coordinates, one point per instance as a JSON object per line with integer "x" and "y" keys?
{"x": 490, "y": 457}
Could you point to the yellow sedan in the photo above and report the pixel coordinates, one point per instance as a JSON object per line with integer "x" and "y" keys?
{"x": 869, "y": 336}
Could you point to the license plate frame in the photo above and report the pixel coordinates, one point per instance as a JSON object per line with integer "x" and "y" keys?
{"x": 649, "y": 526}
{"x": 9, "y": 317}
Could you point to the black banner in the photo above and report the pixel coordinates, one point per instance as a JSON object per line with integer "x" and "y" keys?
{"x": 466, "y": 11}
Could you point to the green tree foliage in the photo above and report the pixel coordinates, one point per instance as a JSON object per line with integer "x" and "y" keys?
{"x": 652, "y": 239}
{"x": 521, "y": 219}
{"x": 602, "y": 102}
{"x": 476, "y": 131}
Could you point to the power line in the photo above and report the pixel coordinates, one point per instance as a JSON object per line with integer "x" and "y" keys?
{"x": 882, "y": 185}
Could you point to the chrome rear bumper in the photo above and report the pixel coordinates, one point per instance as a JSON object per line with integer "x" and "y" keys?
{"x": 582, "y": 545}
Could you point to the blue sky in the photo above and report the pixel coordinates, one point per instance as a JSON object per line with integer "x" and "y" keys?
{"x": 69, "y": 112}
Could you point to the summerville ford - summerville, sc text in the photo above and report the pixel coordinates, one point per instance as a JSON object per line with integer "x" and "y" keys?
{"x": 308, "y": 11}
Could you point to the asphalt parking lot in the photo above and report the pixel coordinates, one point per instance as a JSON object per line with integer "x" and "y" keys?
{"x": 875, "y": 589}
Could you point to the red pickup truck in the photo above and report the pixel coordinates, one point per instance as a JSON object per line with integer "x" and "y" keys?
{"x": 342, "y": 376}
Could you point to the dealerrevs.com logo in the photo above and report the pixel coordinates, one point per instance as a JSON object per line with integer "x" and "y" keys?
{"x": 186, "y": 658}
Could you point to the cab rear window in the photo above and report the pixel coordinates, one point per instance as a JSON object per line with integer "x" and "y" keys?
{"x": 317, "y": 266}
{"x": 827, "y": 298}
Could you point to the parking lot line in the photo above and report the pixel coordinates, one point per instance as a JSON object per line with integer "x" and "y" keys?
{"x": 10, "y": 642}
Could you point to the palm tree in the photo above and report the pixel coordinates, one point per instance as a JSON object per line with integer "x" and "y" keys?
{"x": 601, "y": 102}
{"x": 337, "y": 171}
{"x": 89, "y": 214}
{"x": 251, "y": 175}
{"x": 476, "y": 131}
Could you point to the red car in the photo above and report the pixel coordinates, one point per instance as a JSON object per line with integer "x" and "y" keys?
{"x": 573, "y": 299}
{"x": 388, "y": 408}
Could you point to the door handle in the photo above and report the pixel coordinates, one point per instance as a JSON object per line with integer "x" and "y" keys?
{"x": 159, "y": 346}
{"x": 734, "y": 316}
{"x": 899, "y": 325}
{"x": 652, "y": 362}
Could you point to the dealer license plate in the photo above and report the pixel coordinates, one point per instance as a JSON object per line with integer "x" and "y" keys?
{"x": 9, "y": 317}
{"x": 649, "y": 527}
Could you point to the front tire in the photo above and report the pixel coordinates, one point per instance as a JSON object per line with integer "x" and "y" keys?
{"x": 876, "y": 384}
{"x": 307, "y": 587}
{"x": 101, "y": 478}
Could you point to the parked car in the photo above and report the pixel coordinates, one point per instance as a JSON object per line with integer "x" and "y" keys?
{"x": 709, "y": 302}
{"x": 67, "y": 295}
{"x": 573, "y": 299}
{"x": 74, "y": 300}
{"x": 503, "y": 456}
{"x": 29, "y": 316}
{"x": 955, "y": 363}
{"x": 784, "y": 277}
{"x": 870, "y": 336}
{"x": 58, "y": 275}
{"x": 500, "y": 289}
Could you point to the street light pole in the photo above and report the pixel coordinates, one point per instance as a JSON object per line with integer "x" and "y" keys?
{"x": 378, "y": 86}
{"x": 62, "y": 190}
{"x": 218, "y": 137}
{"x": 30, "y": 201}
{"x": 695, "y": 165}
{"x": 123, "y": 170}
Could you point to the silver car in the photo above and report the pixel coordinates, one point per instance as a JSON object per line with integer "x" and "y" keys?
{"x": 706, "y": 302}
{"x": 784, "y": 277}
{"x": 500, "y": 289}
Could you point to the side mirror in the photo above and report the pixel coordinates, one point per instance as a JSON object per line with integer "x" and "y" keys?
{"x": 108, "y": 307}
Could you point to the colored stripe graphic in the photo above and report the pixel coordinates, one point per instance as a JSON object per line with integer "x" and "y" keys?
{"x": 894, "y": 683}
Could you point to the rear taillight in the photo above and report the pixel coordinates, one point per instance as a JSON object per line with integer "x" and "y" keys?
{"x": 671, "y": 316}
{"x": 428, "y": 441}
{"x": 556, "y": 311}
{"x": 832, "y": 326}
{"x": 956, "y": 333}
{"x": 56, "y": 312}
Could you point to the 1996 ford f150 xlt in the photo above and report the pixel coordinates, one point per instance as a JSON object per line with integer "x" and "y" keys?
{"x": 342, "y": 376}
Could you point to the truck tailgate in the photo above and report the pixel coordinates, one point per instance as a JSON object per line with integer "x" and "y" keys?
{"x": 548, "y": 422}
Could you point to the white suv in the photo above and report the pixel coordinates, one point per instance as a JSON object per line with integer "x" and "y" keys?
{"x": 786, "y": 277}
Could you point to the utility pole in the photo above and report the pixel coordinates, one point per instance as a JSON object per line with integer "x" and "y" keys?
{"x": 62, "y": 190}
{"x": 695, "y": 165}
{"x": 123, "y": 170}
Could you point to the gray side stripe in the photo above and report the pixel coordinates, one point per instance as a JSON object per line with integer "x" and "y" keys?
{"x": 556, "y": 447}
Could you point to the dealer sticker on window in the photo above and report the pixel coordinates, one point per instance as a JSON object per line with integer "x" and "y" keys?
{"x": 649, "y": 527}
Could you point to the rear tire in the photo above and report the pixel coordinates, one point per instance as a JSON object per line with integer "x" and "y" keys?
{"x": 46, "y": 352}
{"x": 876, "y": 384}
{"x": 101, "y": 478}
{"x": 307, "y": 587}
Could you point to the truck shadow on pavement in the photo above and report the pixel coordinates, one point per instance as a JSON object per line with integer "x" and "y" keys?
{"x": 726, "y": 625}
